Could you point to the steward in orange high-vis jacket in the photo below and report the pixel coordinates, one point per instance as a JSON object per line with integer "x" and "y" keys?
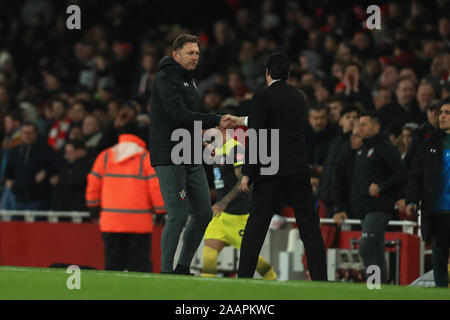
{"x": 125, "y": 187}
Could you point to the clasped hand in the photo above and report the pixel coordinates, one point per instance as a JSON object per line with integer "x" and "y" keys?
{"x": 230, "y": 122}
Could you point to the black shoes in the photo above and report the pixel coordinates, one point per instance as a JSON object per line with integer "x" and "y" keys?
{"x": 182, "y": 270}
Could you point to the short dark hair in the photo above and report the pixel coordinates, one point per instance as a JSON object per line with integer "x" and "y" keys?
{"x": 373, "y": 115}
{"x": 278, "y": 66}
{"x": 338, "y": 97}
{"x": 445, "y": 101}
{"x": 348, "y": 108}
{"x": 77, "y": 144}
{"x": 31, "y": 124}
{"x": 57, "y": 99}
{"x": 181, "y": 40}
{"x": 351, "y": 64}
{"x": 16, "y": 114}
{"x": 318, "y": 107}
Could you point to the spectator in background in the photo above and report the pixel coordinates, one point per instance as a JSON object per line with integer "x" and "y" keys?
{"x": 213, "y": 99}
{"x": 75, "y": 133}
{"x": 335, "y": 104}
{"x": 371, "y": 72}
{"x": 389, "y": 77}
{"x": 319, "y": 134}
{"x": 430, "y": 126}
{"x": 425, "y": 96}
{"x": 295, "y": 77}
{"x": 444, "y": 30}
{"x": 405, "y": 108}
{"x": 61, "y": 124}
{"x": 113, "y": 109}
{"x": 445, "y": 91}
{"x": 236, "y": 82}
{"x": 122, "y": 67}
{"x": 378, "y": 174}
{"x": 105, "y": 91}
{"x": 381, "y": 97}
{"x": 77, "y": 113}
{"x": 69, "y": 184}
{"x": 407, "y": 135}
{"x": 353, "y": 87}
{"x": 13, "y": 138}
{"x": 409, "y": 73}
{"x": 29, "y": 166}
{"x": 347, "y": 122}
{"x": 424, "y": 131}
{"x": 91, "y": 131}
{"x": 342, "y": 179}
{"x": 428, "y": 185}
{"x": 145, "y": 75}
{"x": 219, "y": 55}
{"x": 126, "y": 119}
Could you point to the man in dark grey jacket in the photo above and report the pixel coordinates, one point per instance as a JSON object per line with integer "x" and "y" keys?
{"x": 429, "y": 187}
{"x": 379, "y": 173}
{"x": 175, "y": 105}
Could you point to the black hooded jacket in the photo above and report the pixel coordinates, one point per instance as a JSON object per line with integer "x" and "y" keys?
{"x": 424, "y": 178}
{"x": 174, "y": 104}
{"x": 378, "y": 161}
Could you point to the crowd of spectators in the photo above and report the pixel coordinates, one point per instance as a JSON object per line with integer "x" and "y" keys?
{"x": 67, "y": 94}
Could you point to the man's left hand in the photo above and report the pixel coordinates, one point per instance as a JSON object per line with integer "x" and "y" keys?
{"x": 40, "y": 176}
{"x": 244, "y": 184}
{"x": 374, "y": 190}
{"x": 217, "y": 209}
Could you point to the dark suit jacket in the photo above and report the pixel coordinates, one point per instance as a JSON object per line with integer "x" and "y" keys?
{"x": 279, "y": 106}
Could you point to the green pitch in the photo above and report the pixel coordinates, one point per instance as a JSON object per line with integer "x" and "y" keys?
{"x": 34, "y": 283}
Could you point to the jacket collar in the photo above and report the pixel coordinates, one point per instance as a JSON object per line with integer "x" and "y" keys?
{"x": 132, "y": 138}
{"x": 374, "y": 140}
{"x": 169, "y": 64}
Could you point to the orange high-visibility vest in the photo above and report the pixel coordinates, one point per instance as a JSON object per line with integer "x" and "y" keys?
{"x": 125, "y": 185}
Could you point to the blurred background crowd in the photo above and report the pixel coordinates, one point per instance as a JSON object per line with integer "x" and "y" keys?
{"x": 65, "y": 95}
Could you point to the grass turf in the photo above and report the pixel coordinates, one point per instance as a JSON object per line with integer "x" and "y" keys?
{"x": 43, "y": 284}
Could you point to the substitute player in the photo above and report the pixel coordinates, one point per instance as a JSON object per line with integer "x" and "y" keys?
{"x": 231, "y": 209}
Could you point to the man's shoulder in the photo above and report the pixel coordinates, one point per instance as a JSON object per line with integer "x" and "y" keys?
{"x": 281, "y": 89}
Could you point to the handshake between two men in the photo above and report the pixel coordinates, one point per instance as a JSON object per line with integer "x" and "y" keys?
{"x": 230, "y": 122}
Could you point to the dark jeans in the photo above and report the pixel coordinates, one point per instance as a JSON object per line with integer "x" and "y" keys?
{"x": 371, "y": 245}
{"x": 440, "y": 243}
{"x": 185, "y": 191}
{"x": 31, "y": 206}
{"x": 127, "y": 251}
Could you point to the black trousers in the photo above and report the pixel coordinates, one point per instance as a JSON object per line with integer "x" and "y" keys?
{"x": 440, "y": 244}
{"x": 127, "y": 251}
{"x": 265, "y": 199}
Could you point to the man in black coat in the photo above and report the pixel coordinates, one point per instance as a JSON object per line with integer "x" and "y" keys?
{"x": 342, "y": 179}
{"x": 378, "y": 174}
{"x": 405, "y": 109}
{"x": 319, "y": 133}
{"x": 175, "y": 108}
{"x": 429, "y": 186}
{"x": 29, "y": 167}
{"x": 69, "y": 185}
{"x": 425, "y": 130}
{"x": 349, "y": 117}
{"x": 280, "y": 107}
